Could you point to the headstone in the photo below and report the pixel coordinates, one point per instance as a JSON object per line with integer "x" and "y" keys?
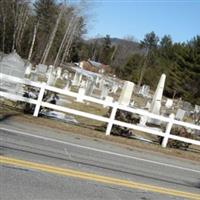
{"x": 104, "y": 92}
{"x": 148, "y": 105}
{"x": 51, "y": 76}
{"x": 68, "y": 85}
{"x": 34, "y": 77}
{"x": 81, "y": 93}
{"x": 77, "y": 79}
{"x": 180, "y": 114}
{"x": 144, "y": 90}
{"x": 157, "y": 98}
{"x": 115, "y": 88}
{"x": 83, "y": 84}
{"x": 108, "y": 99}
{"x": 169, "y": 103}
{"x": 101, "y": 83}
{"x": 197, "y": 109}
{"x": 126, "y": 93}
{"x": 58, "y": 72}
{"x": 41, "y": 68}
{"x": 28, "y": 69}
{"x": 89, "y": 87}
{"x": 12, "y": 64}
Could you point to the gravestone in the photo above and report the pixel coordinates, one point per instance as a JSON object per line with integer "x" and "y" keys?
{"x": 28, "y": 69}
{"x": 157, "y": 98}
{"x": 180, "y": 114}
{"x": 89, "y": 87}
{"x": 51, "y": 76}
{"x": 68, "y": 85}
{"x": 58, "y": 72}
{"x": 41, "y": 68}
{"x": 81, "y": 93}
{"x": 104, "y": 92}
{"x": 169, "y": 103}
{"x": 77, "y": 79}
{"x": 108, "y": 99}
{"x": 187, "y": 106}
{"x": 12, "y": 64}
{"x": 126, "y": 93}
{"x": 34, "y": 77}
{"x": 197, "y": 109}
{"x": 144, "y": 90}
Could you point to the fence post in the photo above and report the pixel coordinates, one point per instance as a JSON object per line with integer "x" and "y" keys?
{"x": 112, "y": 117}
{"x": 39, "y": 101}
{"x": 168, "y": 130}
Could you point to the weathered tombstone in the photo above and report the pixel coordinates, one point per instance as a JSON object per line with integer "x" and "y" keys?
{"x": 41, "y": 68}
{"x": 34, "y": 77}
{"x": 197, "y": 109}
{"x": 104, "y": 92}
{"x": 83, "y": 84}
{"x": 169, "y": 103}
{"x": 13, "y": 65}
{"x": 115, "y": 88}
{"x": 187, "y": 106}
{"x": 77, "y": 79}
{"x": 28, "y": 69}
{"x": 126, "y": 93}
{"x": 101, "y": 83}
{"x": 144, "y": 90}
{"x": 51, "y": 76}
{"x": 157, "y": 98}
{"x": 81, "y": 93}
{"x": 180, "y": 114}
{"x": 58, "y": 72}
{"x": 108, "y": 99}
{"x": 89, "y": 87}
{"x": 68, "y": 85}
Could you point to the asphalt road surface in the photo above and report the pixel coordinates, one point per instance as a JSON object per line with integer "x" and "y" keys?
{"x": 41, "y": 164}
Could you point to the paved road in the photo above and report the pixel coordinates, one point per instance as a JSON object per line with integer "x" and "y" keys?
{"x": 69, "y": 165}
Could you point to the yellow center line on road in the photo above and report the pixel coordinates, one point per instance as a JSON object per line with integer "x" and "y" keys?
{"x": 94, "y": 177}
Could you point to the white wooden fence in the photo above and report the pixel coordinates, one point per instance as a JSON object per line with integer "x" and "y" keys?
{"x": 110, "y": 121}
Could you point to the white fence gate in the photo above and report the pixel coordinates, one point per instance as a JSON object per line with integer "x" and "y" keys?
{"x": 170, "y": 121}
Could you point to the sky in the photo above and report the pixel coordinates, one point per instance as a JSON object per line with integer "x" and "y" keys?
{"x": 122, "y": 18}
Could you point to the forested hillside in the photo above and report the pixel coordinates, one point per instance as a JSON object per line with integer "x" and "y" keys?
{"x": 53, "y": 33}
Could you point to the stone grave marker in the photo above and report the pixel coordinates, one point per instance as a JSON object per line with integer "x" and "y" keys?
{"x": 126, "y": 93}
{"x": 41, "y": 68}
{"x": 180, "y": 114}
{"x": 169, "y": 103}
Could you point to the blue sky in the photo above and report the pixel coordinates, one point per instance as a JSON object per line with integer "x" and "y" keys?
{"x": 118, "y": 18}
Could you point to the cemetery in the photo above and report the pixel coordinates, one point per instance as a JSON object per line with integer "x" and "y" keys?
{"x": 85, "y": 96}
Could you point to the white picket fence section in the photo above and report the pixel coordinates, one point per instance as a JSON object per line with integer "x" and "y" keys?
{"x": 170, "y": 121}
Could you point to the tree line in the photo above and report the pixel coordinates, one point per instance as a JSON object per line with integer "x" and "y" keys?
{"x": 50, "y": 32}
{"x": 179, "y": 61}
{"x": 43, "y": 31}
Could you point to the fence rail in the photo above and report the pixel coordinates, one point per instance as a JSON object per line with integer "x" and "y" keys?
{"x": 170, "y": 121}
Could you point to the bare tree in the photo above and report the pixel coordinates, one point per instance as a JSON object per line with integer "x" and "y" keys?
{"x": 64, "y": 40}
{"x": 52, "y": 36}
{"x": 3, "y": 16}
{"x": 70, "y": 41}
{"x": 33, "y": 40}
{"x": 15, "y": 16}
{"x": 23, "y": 18}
